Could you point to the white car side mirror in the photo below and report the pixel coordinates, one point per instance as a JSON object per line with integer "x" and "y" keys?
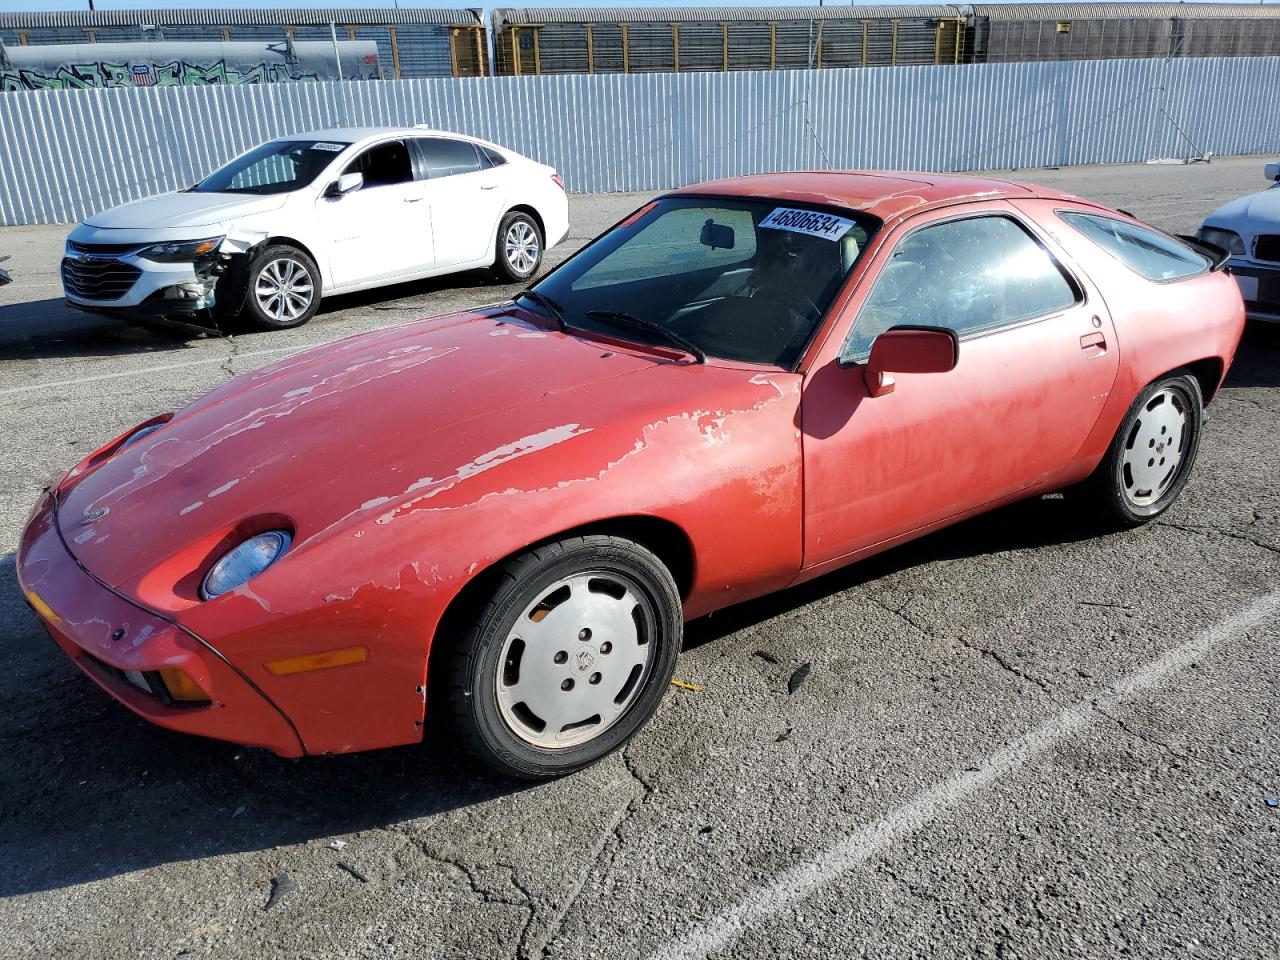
{"x": 1272, "y": 171}
{"x": 347, "y": 183}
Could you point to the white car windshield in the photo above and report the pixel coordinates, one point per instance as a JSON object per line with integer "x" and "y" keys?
{"x": 280, "y": 166}
{"x": 740, "y": 279}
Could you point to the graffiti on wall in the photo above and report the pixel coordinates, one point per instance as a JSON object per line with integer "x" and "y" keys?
{"x": 95, "y": 65}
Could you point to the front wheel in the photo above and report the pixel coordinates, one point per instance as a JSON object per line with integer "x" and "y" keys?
{"x": 283, "y": 288}
{"x": 1151, "y": 456}
{"x": 519, "y": 252}
{"x": 568, "y": 658}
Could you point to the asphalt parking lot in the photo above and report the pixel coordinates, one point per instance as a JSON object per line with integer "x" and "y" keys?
{"x": 1021, "y": 737}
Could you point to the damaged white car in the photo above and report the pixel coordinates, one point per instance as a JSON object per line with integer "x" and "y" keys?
{"x": 334, "y": 211}
{"x": 1248, "y": 228}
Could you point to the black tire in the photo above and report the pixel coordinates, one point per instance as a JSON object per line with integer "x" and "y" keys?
{"x": 1119, "y": 494}
{"x": 518, "y": 253}
{"x": 477, "y": 668}
{"x": 269, "y": 264}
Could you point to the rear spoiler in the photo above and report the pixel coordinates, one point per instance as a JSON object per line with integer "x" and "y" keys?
{"x": 1217, "y": 255}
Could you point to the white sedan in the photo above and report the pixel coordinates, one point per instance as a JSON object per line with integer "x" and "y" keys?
{"x": 1248, "y": 228}
{"x": 332, "y": 211}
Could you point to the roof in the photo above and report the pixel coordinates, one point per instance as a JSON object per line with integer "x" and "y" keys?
{"x": 882, "y": 193}
{"x": 1125, "y": 11}
{"x": 232, "y": 17}
{"x": 717, "y": 14}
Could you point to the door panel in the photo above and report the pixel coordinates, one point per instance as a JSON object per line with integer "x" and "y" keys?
{"x": 383, "y": 230}
{"x": 1015, "y": 411}
{"x": 465, "y": 199}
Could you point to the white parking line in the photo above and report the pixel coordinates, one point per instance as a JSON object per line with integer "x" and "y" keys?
{"x": 160, "y": 368}
{"x": 802, "y": 880}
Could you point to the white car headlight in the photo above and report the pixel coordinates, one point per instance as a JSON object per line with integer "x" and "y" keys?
{"x": 244, "y": 562}
{"x": 1228, "y": 240}
{"x": 180, "y": 250}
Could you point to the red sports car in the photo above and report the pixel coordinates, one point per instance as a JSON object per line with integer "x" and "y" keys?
{"x": 492, "y": 525}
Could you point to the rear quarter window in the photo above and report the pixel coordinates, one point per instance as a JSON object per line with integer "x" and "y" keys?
{"x": 1146, "y": 252}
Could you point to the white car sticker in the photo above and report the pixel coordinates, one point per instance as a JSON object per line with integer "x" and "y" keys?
{"x": 807, "y": 221}
{"x": 331, "y": 147}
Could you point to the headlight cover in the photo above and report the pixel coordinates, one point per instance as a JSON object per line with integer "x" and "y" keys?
{"x": 142, "y": 432}
{"x": 244, "y": 562}
{"x": 177, "y": 251}
{"x": 1228, "y": 240}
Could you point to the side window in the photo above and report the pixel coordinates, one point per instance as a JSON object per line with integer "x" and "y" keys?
{"x": 964, "y": 275}
{"x": 385, "y": 164}
{"x": 672, "y": 245}
{"x": 1146, "y": 252}
{"x": 490, "y": 157}
{"x": 448, "y": 158}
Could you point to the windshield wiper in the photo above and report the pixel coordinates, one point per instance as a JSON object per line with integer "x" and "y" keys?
{"x": 639, "y": 323}
{"x": 548, "y": 306}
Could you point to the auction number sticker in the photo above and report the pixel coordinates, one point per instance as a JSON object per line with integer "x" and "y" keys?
{"x": 330, "y": 147}
{"x": 815, "y": 224}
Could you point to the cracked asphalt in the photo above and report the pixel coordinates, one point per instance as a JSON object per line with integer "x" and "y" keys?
{"x": 957, "y": 774}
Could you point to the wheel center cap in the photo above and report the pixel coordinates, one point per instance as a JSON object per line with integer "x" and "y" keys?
{"x": 1160, "y": 447}
{"x": 584, "y": 659}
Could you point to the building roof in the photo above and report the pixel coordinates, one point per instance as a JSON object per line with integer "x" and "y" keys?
{"x": 232, "y": 17}
{"x": 537, "y": 15}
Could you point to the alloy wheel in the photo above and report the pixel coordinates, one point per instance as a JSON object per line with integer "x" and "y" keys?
{"x": 1155, "y": 447}
{"x": 521, "y": 246}
{"x": 284, "y": 290}
{"x": 576, "y": 659}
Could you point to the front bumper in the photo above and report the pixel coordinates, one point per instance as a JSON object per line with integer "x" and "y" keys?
{"x": 106, "y": 636}
{"x": 1260, "y": 288}
{"x": 126, "y": 284}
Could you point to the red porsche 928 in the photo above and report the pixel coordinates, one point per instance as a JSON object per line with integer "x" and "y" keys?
{"x": 492, "y": 525}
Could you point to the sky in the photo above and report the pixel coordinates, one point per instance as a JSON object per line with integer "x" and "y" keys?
{"x": 9, "y": 6}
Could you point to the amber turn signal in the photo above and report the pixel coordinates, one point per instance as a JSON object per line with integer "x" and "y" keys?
{"x": 180, "y": 686}
{"x": 318, "y": 661}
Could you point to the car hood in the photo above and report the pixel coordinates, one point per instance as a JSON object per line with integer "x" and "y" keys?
{"x": 335, "y": 431}
{"x": 1248, "y": 213}
{"x": 172, "y": 210}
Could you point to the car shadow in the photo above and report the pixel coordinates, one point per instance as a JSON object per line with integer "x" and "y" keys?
{"x": 90, "y": 791}
{"x": 49, "y": 329}
{"x": 1257, "y": 362}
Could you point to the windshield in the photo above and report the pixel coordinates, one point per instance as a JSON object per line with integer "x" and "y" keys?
{"x": 739, "y": 279}
{"x": 276, "y": 167}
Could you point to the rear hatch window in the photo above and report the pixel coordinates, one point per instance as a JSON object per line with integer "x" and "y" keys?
{"x": 1146, "y": 252}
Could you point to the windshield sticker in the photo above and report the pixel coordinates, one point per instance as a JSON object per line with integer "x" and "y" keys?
{"x": 807, "y": 221}
{"x": 331, "y": 147}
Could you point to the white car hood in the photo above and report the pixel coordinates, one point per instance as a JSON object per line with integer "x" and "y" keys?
{"x": 1248, "y": 213}
{"x": 180, "y": 210}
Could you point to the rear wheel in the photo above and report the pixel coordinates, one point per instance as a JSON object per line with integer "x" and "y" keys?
{"x": 1151, "y": 456}
{"x": 283, "y": 288}
{"x": 570, "y": 655}
{"x": 519, "y": 252}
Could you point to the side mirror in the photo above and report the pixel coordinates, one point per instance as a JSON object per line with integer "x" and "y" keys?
{"x": 717, "y": 236}
{"x": 909, "y": 350}
{"x": 1271, "y": 171}
{"x": 347, "y": 183}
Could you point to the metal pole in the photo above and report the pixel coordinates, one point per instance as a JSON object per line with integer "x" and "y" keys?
{"x": 337, "y": 58}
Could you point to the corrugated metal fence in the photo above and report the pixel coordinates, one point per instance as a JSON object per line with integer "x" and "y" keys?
{"x": 65, "y": 154}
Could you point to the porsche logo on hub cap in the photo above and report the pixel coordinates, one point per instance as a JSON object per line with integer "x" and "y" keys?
{"x": 91, "y": 516}
{"x": 584, "y": 659}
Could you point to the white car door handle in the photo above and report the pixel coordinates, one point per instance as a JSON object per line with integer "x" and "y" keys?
{"x": 412, "y": 199}
{"x": 492, "y": 186}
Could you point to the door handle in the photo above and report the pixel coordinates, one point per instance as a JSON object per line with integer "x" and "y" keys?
{"x": 412, "y": 199}
{"x": 1093, "y": 344}
{"x": 492, "y": 186}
